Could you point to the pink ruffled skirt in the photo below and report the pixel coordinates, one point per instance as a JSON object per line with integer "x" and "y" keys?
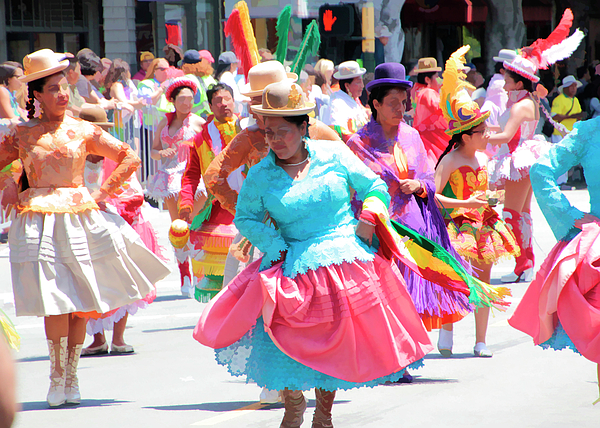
{"x": 566, "y": 295}
{"x": 353, "y": 322}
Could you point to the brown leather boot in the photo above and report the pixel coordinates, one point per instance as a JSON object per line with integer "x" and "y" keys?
{"x": 322, "y": 416}
{"x": 295, "y": 405}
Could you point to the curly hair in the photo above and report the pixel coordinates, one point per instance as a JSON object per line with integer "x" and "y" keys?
{"x": 116, "y": 73}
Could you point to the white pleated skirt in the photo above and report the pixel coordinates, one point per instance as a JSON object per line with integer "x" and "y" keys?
{"x": 78, "y": 262}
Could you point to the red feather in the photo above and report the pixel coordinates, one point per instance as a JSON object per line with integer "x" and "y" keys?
{"x": 560, "y": 33}
{"x": 234, "y": 28}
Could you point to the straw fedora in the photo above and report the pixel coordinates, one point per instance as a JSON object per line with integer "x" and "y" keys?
{"x": 349, "y": 70}
{"x": 427, "y": 65}
{"x": 42, "y": 63}
{"x": 96, "y": 115}
{"x": 262, "y": 75}
{"x": 283, "y": 98}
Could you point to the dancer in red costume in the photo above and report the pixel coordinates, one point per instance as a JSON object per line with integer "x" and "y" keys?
{"x": 519, "y": 149}
{"x": 429, "y": 120}
{"x": 212, "y": 231}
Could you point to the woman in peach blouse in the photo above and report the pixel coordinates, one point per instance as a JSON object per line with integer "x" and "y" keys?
{"x": 67, "y": 255}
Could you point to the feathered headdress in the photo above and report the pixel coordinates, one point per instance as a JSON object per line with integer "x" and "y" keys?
{"x": 310, "y": 45}
{"x": 239, "y": 27}
{"x": 544, "y": 52}
{"x": 457, "y": 106}
{"x": 283, "y": 28}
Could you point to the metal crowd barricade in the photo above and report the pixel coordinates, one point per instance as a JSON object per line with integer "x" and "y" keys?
{"x": 139, "y": 134}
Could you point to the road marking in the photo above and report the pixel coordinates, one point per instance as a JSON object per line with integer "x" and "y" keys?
{"x": 230, "y": 415}
{"x": 503, "y": 323}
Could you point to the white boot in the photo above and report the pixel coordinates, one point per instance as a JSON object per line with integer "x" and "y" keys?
{"x": 56, "y": 393}
{"x": 71, "y": 382}
{"x": 445, "y": 342}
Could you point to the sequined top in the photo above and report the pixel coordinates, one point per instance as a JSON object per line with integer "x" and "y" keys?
{"x": 53, "y": 155}
{"x": 462, "y": 183}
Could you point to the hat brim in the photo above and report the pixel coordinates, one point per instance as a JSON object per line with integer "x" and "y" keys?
{"x": 338, "y": 76}
{"x": 427, "y": 70}
{"x": 478, "y": 120}
{"x": 247, "y": 92}
{"x": 283, "y": 112}
{"x": 389, "y": 82}
{"x": 562, "y": 87}
{"x": 500, "y": 59}
{"x": 45, "y": 73}
{"x": 521, "y": 72}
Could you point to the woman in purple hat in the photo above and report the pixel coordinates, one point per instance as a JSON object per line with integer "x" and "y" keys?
{"x": 394, "y": 151}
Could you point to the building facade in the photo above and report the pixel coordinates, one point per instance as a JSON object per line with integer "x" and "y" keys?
{"x": 111, "y": 28}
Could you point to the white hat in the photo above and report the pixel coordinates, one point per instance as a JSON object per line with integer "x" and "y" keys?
{"x": 523, "y": 67}
{"x": 42, "y": 63}
{"x": 505, "y": 55}
{"x": 349, "y": 70}
{"x": 568, "y": 81}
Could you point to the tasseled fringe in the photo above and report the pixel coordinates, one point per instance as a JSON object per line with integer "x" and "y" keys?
{"x": 213, "y": 243}
{"x": 211, "y": 265}
{"x": 483, "y": 294}
{"x": 204, "y": 296}
{"x": 208, "y": 288}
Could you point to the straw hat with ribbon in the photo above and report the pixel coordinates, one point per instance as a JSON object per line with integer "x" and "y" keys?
{"x": 262, "y": 75}
{"x": 282, "y": 99}
{"x": 42, "y": 63}
{"x": 427, "y": 65}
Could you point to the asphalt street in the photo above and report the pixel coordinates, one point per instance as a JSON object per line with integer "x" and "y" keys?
{"x": 173, "y": 381}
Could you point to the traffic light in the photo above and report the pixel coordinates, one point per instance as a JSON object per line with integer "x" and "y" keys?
{"x": 336, "y": 20}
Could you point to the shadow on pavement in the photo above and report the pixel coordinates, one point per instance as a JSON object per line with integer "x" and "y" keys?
{"x": 42, "y": 405}
{"x": 171, "y": 297}
{"x": 33, "y": 359}
{"x": 157, "y": 330}
{"x": 420, "y": 381}
{"x": 230, "y": 406}
{"x": 463, "y": 356}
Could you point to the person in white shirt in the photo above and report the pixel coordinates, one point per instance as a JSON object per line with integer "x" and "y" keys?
{"x": 346, "y": 115}
{"x": 496, "y": 97}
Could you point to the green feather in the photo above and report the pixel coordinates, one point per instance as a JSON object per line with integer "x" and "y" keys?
{"x": 310, "y": 45}
{"x": 283, "y": 27}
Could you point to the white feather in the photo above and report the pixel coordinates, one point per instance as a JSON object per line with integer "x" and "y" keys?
{"x": 562, "y": 50}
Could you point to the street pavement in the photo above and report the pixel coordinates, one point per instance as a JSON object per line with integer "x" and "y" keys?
{"x": 173, "y": 381}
